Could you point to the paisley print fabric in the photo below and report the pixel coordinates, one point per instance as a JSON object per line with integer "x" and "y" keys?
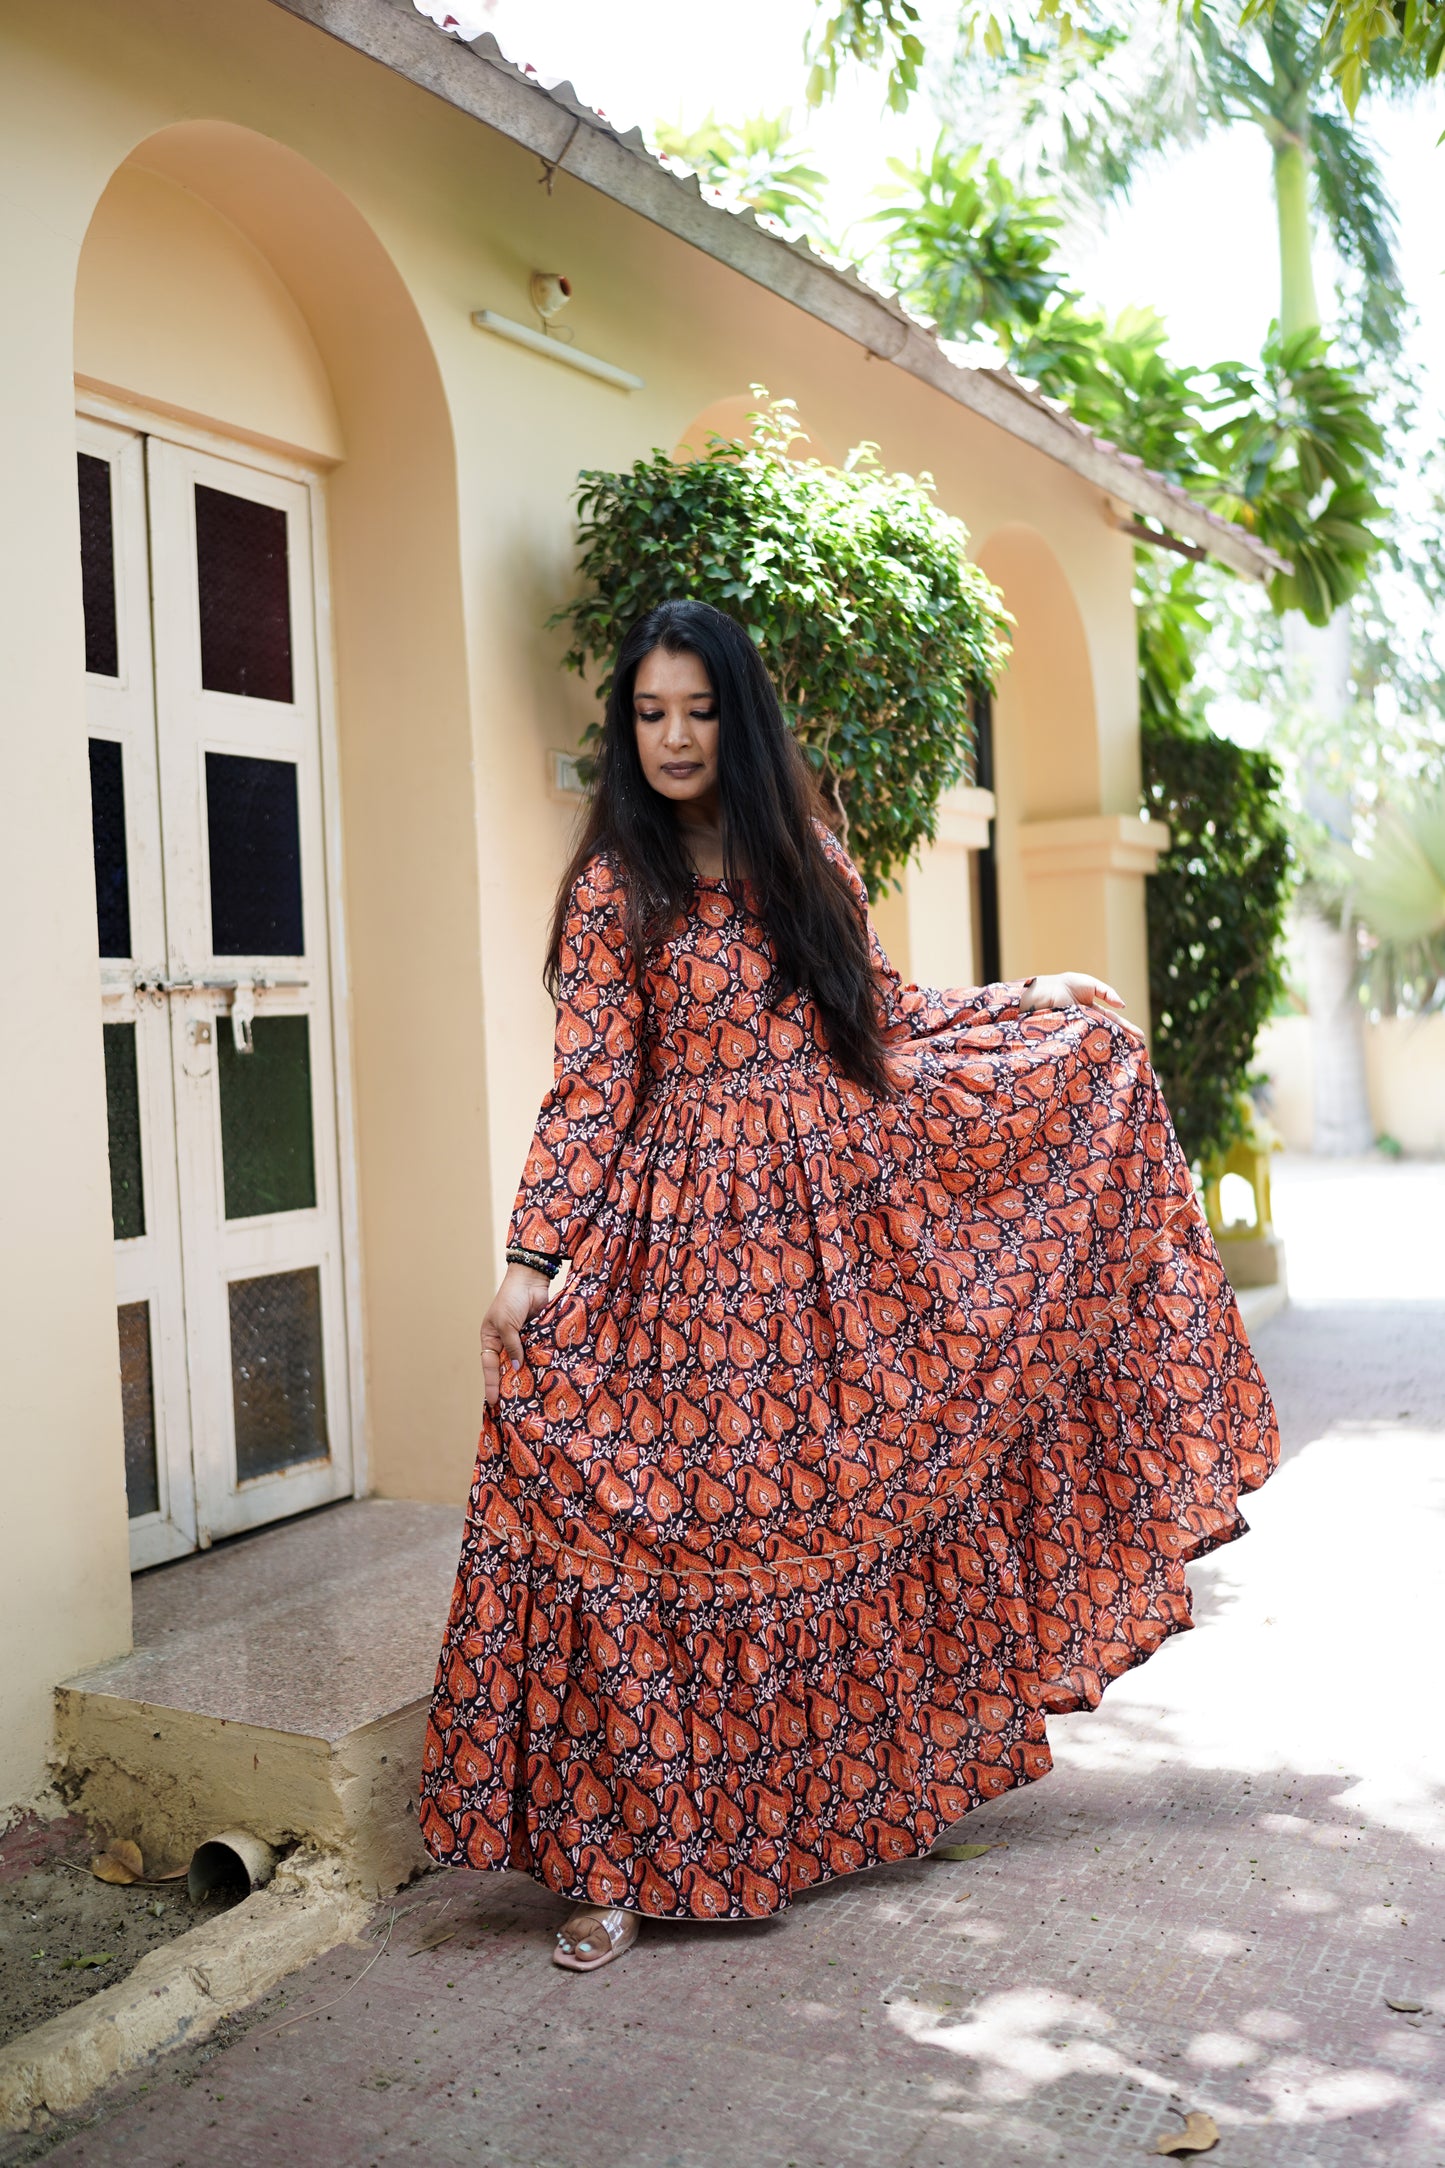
{"x": 862, "y": 1434}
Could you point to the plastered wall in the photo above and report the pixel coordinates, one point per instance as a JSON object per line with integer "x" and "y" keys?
{"x": 286, "y": 243}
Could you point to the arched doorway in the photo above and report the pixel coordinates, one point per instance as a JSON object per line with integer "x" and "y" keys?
{"x": 282, "y": 832}
{"x": 1072, "y": 852}
{"x": 1045, "y": 744}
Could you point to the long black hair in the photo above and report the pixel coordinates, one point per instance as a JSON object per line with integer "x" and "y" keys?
{"x": 769, "y": 808}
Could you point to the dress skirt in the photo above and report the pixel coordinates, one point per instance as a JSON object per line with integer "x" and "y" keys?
{"x": 864, "y": 1433}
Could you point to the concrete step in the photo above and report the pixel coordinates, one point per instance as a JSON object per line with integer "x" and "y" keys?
{"x": 278, "y": 1684}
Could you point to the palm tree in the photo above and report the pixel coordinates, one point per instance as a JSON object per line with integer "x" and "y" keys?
{"x": 1361, "y": 41}
{"x": 1094, "y": 112}
{"x": 1396, "y": 889}
{"x": 756, "y": 162}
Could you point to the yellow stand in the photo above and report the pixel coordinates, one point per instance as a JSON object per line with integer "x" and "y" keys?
{"x": 1252, "y": 1252}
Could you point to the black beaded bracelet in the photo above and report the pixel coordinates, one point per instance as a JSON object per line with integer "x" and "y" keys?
{"x": 536, "y": 1261}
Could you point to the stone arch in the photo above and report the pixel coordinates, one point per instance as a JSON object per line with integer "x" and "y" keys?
{"x": 226, "y": 280}
{"x": 1072, "y": 852}
{"x": 1045, "y": 739}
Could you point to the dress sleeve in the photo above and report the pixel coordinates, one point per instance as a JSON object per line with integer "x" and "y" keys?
{"x": 593, "y": 1097}
{"x": 919, "y": 1012}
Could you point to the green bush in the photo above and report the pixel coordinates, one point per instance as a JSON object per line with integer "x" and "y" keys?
{"x": 1216, "y": 919}
{"x": 853, "y": 583}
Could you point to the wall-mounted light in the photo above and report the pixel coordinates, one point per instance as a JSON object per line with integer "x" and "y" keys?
{"x": 537, "y": 342}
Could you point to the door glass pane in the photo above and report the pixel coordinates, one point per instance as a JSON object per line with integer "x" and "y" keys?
{"x": 255, "y": 839}
{"x": 266, "y": 1148}
{"x": 244, "y": 595}
{"x": 138, "y": 1409}
{"x": 278, "y": 1384}
{"x": 122, "y": 1106}
{"x": 107, "y": 842}
{"x": 97, "y": 567}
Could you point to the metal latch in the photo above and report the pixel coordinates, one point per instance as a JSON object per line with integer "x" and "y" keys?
{"x": 243, "y": 1010}
{"x": 243, "y": 989}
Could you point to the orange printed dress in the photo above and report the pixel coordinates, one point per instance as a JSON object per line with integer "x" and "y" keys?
{"x": 863, "y": 1434}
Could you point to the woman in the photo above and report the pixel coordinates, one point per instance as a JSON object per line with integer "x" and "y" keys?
{"x": 893, "y": 1379}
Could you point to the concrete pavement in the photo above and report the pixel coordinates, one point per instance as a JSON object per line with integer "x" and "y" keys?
{"x": 1211, "y": 1903}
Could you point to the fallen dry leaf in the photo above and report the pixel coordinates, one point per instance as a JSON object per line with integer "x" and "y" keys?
{"x": 1406, "y": 2009}
{"x": 120, "y": 1862}
{"x": 1200, "y": 2132}
{"x": 960, "y": 1851}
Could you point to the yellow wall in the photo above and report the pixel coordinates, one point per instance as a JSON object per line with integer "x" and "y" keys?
{"x": 175, "y": 305}
{"x": 280, "y": 240}
{"x": 1404, "y": 1069}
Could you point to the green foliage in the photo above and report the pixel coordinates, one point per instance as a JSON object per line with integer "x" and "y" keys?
{"x": 1396, "y": 890}
{"x": 1294, "y": 444}
{"x": 867, "y": 31}
{"x": 757, "y": 161}
{"x": 967, "y": 247}
{"x": 1117, "y": 380}
{"x": 1287, "y": 447}
{"x": 1366, "y": 39}
{"x": 853, "y": 583}
{"x": 1172, "y": 620}
{"x": 1358, "y": 42}
{"x": 878, "y": 33}
{"x": 1216, "y": 920}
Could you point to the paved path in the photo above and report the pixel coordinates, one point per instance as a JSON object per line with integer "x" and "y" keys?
{"x": 1206, "y": 1906}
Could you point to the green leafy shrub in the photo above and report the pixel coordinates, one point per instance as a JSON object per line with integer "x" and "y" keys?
{"x": 1216, "y": 920}
{"x": 853, "y": 583}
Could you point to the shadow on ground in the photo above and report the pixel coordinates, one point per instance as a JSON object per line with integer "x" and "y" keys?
{"x": 1211, "y": 1904}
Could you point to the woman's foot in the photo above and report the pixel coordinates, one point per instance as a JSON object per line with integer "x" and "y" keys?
{"x": 592, "y": 1938}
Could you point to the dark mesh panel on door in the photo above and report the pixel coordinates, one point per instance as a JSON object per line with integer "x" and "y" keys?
{"x": 267, "y": 1156}
{"x": 253, "y": 826}
{"x": 138, "y": 1409}
{"x": 108, "y": 847}
{"x": 97, "y": 566}
{"x": 243, "y": 596}
{"x": 278, "y": 1383}
{"x": 122, "y": 1107}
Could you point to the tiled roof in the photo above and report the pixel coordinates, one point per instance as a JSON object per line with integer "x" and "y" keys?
{"x": 573, "y": 137}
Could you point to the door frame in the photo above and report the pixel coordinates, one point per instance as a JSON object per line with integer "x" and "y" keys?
{"x": 150, "y": 422}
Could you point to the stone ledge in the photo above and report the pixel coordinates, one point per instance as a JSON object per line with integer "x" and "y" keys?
{"x": 1097, "y": 843}
{"x": 181, "y": 1992}
{"x": 963, "y": 818}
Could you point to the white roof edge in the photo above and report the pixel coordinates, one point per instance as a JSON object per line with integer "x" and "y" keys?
{"x": 554, "y": 124}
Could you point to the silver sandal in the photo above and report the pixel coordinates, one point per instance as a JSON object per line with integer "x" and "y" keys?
{"x": 620, "y": 1928}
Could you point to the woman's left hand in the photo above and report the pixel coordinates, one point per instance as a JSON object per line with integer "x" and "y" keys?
{"x": 1070, "y": 989}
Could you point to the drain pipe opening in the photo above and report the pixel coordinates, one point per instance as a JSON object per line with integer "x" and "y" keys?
{"x": 228, "y": 1867}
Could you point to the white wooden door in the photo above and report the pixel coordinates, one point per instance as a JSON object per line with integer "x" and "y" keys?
{"x": 219, "y": 961}
{"x": 136, "y": 1029}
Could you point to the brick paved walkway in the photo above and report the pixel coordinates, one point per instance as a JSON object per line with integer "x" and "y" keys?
{"x": 1207, "y": 1905}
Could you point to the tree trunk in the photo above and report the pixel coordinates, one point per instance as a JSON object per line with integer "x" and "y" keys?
{"x": 1320, "y": 655}
{"x": 1343, "y": 1122}
{"x": 1299, "y": 309}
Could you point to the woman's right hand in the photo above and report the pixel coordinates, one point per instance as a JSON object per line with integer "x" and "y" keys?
{"x": 521, "y": 1295}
